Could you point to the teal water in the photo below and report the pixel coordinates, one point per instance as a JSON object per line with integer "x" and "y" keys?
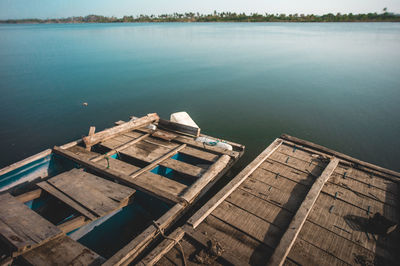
{"x": 334, "y": 84}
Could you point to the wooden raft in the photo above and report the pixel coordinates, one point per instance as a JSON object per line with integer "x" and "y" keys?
{"x": 167, "y": 163}
{"x": 297, "y": 203}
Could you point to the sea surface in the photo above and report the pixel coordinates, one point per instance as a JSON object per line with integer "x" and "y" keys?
{"x": 337, "y": 85}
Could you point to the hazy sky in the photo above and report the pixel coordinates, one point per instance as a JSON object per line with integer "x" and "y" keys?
{"x": 118, "y": 8}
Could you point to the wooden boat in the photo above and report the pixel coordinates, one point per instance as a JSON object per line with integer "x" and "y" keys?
{"x": 118, "y": 188}
{"x": 297, "y": 203}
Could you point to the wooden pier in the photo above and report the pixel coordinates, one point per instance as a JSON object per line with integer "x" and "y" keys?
{"x": 297, "y": 203}
{"x": 111, "y": 166}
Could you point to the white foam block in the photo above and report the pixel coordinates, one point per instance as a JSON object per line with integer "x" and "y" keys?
{"x": 183, "y": 118}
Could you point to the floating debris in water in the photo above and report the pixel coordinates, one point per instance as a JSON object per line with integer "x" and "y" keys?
{"x": 85, "y": 104}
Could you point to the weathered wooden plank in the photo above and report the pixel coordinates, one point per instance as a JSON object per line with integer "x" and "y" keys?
{"x": 149, "y": 152}
{"x": 156, "y": 185}
{"x": 180, "y": 128}
{"x": 157, "y": 161}
{"x": 98, "y": 195}
{"x": 288, "y": 239}
{"x": 62, "y": 251}
{"x": 67, "y": 200}
{"x": 201, "y": 214}
{"x": 130, "y": 251}
{"x": 342, "y": 156}
{"x": 248, "y": 223}
{"x": 195, "y": 189}
{"x": 120, "y": 148}
{"x": 242, "y": 247}
{"x": 73, "y": 224}
{"x": 164, "y": 247}
{"x": 111, "y": 132}
{"x": 23, "y": 228}
{"x": 28, "y": 196}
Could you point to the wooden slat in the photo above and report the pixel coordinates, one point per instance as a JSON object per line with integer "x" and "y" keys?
{"x": 73, "y": 224}
{"x": 163, "y": 248}
{"x": 23, "y": 228}
{"x": 120, "y": 148}
{"x": 201, "y": 214}
{"x": 28, "y": 196}
{"x": 64, "y": 198}
{"x": 177, "y": 127}
{"x": 342, "y": 156}
{"x": 195, "y": 189}
{"x": 153, "y": 184}
{"x": 128, "y": 253}
{"x": 149, "y": 152}
{"x": 157, "y": 161}
{"x": 288, "y": 239}
{"x": 62, "y": 251}
{"x": 111, "y": 132}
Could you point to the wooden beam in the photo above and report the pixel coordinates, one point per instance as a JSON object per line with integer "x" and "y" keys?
{"x": 26, "y": 161}
{"x": 195, "y": 189}
{"x": 163, "y": 248}
{"x": 28, "y": 196}
{"x": 70, "y": 202}
{"x": 91, "y": 133}
{"x": 157, "y": 161}
{"x": 213, "y": 203}
{"x": 136, "y": 183}
{"x": 341, "y": 156}
{"x": 294, "y": 228}
{"x": 73, "y": 224}
{"x": 180, "y": 128}
{"x": 128, "y": 253}
{"x": 119, "y": 148}
{"x": 111, "y": 132}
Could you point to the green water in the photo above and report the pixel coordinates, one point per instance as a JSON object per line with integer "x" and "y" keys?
{"x": 334, "y": 84}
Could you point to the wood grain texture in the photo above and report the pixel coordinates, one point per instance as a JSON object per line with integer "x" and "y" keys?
{"x": 201, "y": 214}
{"x": 21, "y": 228}
{"x": 288, "y": 239}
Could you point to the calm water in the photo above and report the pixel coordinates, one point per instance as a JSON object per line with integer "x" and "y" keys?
{"x": 334, "y": 84}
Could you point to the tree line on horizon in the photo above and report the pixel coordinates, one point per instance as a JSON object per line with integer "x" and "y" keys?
{"x": 222, "y": 17}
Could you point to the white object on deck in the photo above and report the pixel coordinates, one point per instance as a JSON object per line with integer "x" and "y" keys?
{"x": 183, "y": 118}
{"x": 214, "y": 142}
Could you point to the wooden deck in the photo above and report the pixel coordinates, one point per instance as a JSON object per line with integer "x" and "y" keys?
{"x": 166, "y": 163}
{"x": 297, "y": 203}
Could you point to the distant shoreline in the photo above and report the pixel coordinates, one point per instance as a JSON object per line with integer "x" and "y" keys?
{"x": 215, "y": 17}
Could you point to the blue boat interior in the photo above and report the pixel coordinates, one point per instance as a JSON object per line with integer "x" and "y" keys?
{"x": 110, "y": 235}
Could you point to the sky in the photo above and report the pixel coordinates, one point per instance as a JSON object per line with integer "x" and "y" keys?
{"x": 16, "y": 9}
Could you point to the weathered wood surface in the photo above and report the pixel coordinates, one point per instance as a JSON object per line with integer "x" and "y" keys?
{"x": 62, "y": 251}
{"x": 156, "y": 185}
{"x": 30, "y": 195}
{"x": 296, "y": 203}
{"x": 149, "y": 153}
{"x": 341, "y": 155}
{"x": 173, "y": 126}
{"x": 287, "y": 240}
{"x": 157, "y": 161}
{"x": 128, "y": 253}
{"x": 200, "y": 215}
{"x": 111, "y": 132}
{"x": 21, "y": 228}
{"x": 91, "y": 195}
{"x": 73, "y": 224}
{"x": 195, "y": 189}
